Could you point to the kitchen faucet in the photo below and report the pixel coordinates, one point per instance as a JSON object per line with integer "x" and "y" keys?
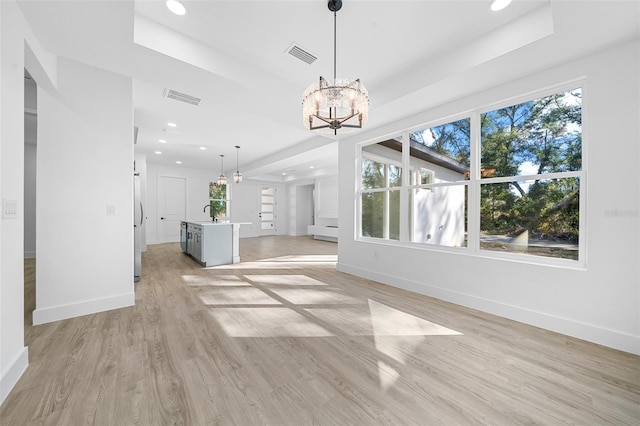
{"x": 205, "y": 209}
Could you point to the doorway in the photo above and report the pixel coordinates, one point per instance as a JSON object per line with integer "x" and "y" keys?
{"x": 267, "y": 210}
{"x": 172, "y": 207}
{"x": 29, "y": 202}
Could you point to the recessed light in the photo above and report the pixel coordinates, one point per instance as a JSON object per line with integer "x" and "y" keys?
{"x": 284, "y": 174}
{"x": 178, "y": 162}
{"x": 499, "y": 4}
{"x": 203, "y": 148}
{"x": 162, "y": 141}
{"x": 311, "y": 167}
{"x": 176, "y": 7}
{"x": 172, "y": 124}
{"x": 158, "y": 152}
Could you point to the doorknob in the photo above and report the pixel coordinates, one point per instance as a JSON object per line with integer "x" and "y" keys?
{"x": 162, "y": 218}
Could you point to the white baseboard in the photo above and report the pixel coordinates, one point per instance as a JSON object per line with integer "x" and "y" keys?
{"x": 29, "y": 254}
{"x": 61, "y": 312}
{"x": 13, "y": 372}
{"x": 589, "y": 332}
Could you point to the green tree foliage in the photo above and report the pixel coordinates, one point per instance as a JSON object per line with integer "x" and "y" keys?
{"x": 217, "y": 200}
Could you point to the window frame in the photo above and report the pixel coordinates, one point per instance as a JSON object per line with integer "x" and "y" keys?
{"x": 475, "y": 181}
{"x": 387, "y": 189}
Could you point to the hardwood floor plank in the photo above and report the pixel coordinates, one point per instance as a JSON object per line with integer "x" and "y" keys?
{"x": 284, "y": 339}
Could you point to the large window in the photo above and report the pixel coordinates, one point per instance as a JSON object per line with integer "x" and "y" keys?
{"x": 519, "y": 193}
{"x": 531, "y": 162}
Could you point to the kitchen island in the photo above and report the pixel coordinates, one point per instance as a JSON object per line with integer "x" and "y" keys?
{"x": 211, "y": 243}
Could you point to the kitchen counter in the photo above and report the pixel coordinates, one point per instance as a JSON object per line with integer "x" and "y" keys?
{"x": 211, "y": 243}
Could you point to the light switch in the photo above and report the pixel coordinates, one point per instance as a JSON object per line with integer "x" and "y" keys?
{"x": 9, "y": 209}
{"x": 111, "y": 209}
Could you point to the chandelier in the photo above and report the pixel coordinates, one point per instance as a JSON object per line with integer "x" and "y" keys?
{"x": 222, "y": 180}
{"x": 237, "y": 176}
{"x": 335, "y": 104}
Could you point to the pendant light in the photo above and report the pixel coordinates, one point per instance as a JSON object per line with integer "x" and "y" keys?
{"x": 237, "y": 176}
{"x": 222, "y": 180}
{"x": 341, "y": 103}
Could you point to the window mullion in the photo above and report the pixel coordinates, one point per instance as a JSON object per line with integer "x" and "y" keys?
{"x": 473, "y": 201}
{"x": 385, "y": 214}
{"x": 405, "y": 223}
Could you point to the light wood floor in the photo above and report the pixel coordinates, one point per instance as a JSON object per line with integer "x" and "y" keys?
{"x": 284, "y": 339}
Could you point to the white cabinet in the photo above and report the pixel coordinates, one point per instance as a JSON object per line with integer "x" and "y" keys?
{"x": 210, "y": 244}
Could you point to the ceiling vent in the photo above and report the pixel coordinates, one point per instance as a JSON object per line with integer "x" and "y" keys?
{"x": 300, "y": 53}
{"x": 182, "y": 97}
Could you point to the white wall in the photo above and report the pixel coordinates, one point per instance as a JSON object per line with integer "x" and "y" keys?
{"x": 18, "y": 48}
{"x": 85, "y": 162}
{"x": 600, "y": 303}
{"x": 326, "y": 200}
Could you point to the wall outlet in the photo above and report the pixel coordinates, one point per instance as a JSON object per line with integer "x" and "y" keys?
{"x": 112, "y": 209}
{"x": 9, "y": 209}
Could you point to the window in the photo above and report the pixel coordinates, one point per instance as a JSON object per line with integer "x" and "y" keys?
{"x": 438, "y": 204}
{"x": 381, "y": 179}
{"x": 531, "y": 159}
{"x": 217, "y": 200}
{"x": 520, "y": 193}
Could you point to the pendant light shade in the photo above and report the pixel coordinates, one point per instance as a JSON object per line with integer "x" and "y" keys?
{"x": 222, "y": 180}
{"x": 341, "y": 103}
{"x": 237, "y": 176}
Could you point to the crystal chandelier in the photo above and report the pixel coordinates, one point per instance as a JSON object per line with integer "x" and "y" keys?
{"x": 237, "y": 176}
{"x": 335, "y": 104}
{"x": 222, "y": 180}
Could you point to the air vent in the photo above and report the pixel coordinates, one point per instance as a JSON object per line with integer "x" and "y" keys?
{"x": 182, "y": 97}
{"x": 300, "y": 53}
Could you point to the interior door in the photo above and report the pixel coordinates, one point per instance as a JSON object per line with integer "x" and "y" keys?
{"x": 267, "y": 210}
{"x": 172, "y": 207}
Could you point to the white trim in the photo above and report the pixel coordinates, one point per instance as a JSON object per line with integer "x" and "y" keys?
{"x": 29, "y": 254}
{"x": 13, "y": 372}
{"x": 589, "y": 332}
{"x": 522, "y": 178}
{"x": 72, "y": 310}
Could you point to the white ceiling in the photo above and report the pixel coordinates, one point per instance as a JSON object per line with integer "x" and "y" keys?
{"x": 411, "y": 55}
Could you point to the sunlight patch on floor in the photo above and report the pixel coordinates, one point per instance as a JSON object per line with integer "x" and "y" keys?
{"x": 387, "y": 374}
{"x": 292, "y": 280}
{"x": 397, "y": 334}
{"x": 286, "y": 262}
{"x": 236, "y": 296}
{"x": 267, "y": 322}
{"x": 306, "y": 296}
{"x": 217, "y": 280}
{"x": 388, "y": 321}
